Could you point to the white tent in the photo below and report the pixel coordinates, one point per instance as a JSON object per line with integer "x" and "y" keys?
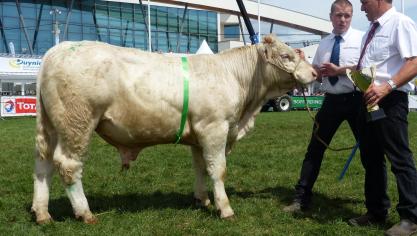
{"x": 310, "y": 51}
{"x": 204, "y": 48}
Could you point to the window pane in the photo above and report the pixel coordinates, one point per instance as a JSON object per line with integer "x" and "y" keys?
{"x": 90, "y": 37}
{"x": 28, "y": 12}
{"x": 74, "y": 37}
{"x": 114, "y": 18}
{"x": 202, "y": 22}
{"x": 184, "y": 44}
{"x": 162, "y": 18}
{"x": 194, "y": 43}
{"x": 162, "y": 42}
{"x": 173, "y": 19}
{"x": 212, "y": 42}
{"x": 115, "y": 37}
{"x": 231, "y": 31}
{"x": 103, "y": 35}
{"x": 87, "y": 13}
{"x": 9, "y": 9}
{"x": 141, "y": 40}
{"x": 128, "y": 39}
{"x": 193, "y": 22}
{"x": 44, "y": 41}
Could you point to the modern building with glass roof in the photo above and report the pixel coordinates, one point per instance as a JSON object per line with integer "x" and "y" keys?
{"x": 29, "y": 28}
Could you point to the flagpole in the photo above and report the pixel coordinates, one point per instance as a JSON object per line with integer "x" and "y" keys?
{"x": 402, "y": 6}
{"x": 259, "y": 20}
{"x": 149, "y": 27}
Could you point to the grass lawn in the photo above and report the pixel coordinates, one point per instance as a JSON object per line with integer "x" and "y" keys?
{"x": 155, "y": 197}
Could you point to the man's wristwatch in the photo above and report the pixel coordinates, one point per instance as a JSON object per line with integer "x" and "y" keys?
{"x": 392, "y": 84}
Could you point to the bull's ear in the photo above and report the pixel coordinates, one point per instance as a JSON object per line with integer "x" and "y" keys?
{"x": 270, "y": 39}
{"x": 265, "y": 51}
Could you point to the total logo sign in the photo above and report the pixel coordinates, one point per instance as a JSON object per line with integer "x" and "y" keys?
{"x": 18, "y": 106}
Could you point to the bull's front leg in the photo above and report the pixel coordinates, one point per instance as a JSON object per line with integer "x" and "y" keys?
{"x": 200, "y": 188}
{"x": 214, "y": 146}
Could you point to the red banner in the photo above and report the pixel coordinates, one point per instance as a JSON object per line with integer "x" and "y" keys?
{"x": 18, "y": 106}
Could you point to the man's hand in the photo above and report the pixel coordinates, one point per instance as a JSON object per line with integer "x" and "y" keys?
{"x": 408, "y": 71}
{"x": 329, "y": 69}
{"x": 375, "y": 93}
{"x": 300, "y": 53}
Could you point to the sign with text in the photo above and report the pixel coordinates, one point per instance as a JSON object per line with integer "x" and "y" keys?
{"x": 19, "y": 65}
{"x": 313, "y": 102}
{"x": 18, "y": 106}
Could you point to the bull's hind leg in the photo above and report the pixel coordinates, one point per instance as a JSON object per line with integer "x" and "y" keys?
{"x": 200, "y": 189}
{"x": 42, "y": 182}
{"x": 74, "y": 131}
{"x": 214, "y": 146}
{"x": 45, "y": 144}
{"x": 70, "y": 170}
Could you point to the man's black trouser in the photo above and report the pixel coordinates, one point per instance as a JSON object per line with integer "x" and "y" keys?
{"x": 335, "y": 110}
{"x": 388, "y": 136}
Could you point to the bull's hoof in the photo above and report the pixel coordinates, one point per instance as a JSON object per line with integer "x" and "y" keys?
{"x": 201, "y": 204}
{"x": 227, "y": 214}
{"x": 229, "y": 218}
{"x": 88, "y": 219}
{"x": 43, "y": 219}
{"x": 91, "y": 221}
{"x": 125, "y": 167}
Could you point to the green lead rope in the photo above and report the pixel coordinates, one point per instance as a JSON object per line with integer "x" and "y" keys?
{"x": 185, "y": 78}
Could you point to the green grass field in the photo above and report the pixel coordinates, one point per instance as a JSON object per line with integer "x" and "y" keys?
{"x": 155, "y": 197}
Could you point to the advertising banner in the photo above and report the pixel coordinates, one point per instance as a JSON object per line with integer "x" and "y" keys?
{"x": 314, "y": 102}
{"x": 19, "y": 65}
{"x": 18, "y": 106}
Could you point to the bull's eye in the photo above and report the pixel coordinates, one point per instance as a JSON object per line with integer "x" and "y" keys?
{"x": 285, "y": 56}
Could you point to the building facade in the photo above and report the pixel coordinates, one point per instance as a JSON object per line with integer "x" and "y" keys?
{"x": 28, "y": 28}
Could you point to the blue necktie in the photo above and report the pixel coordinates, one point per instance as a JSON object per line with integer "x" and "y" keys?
{"x": 334, "y": 58}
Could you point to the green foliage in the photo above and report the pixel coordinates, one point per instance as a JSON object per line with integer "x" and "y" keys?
{"x": 155, "y": 197}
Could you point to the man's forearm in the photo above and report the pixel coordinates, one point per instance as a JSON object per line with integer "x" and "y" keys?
{"x": 407, "y": 72}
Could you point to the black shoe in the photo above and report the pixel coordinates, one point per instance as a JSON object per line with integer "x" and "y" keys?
{"x": 403, "y": 228}
{"x": 367, "y": 220}
{"x": 295, "y": 207}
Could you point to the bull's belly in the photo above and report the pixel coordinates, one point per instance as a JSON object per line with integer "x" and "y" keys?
{"x": 140, "y": 135}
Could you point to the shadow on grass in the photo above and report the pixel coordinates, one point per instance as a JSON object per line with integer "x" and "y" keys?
{"x": 324, "y": 209}
{"x": 61, "y": 210}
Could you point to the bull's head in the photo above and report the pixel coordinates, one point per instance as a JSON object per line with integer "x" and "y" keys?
{"x": 285, "y": 59}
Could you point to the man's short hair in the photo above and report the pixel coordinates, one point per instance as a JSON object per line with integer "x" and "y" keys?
{"x": 342, "y": 2}
{"x": 389, "y": 1}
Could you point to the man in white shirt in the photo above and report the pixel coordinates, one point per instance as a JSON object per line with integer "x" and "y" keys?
{"x": 393, "y": 50}
{"x": 335, "y": 53}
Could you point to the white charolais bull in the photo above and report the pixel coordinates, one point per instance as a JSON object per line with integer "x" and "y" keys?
{"x": 133, "y": 99}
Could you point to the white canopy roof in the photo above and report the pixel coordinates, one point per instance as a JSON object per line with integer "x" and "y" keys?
{"x": 204, "y": 48}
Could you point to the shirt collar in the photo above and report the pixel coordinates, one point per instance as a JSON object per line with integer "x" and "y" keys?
{"x": 344, "y": 35}
{"x": 386, "y": 16}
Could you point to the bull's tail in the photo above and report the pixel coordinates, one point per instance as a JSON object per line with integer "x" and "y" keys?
{"x": 43, "y": 138}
